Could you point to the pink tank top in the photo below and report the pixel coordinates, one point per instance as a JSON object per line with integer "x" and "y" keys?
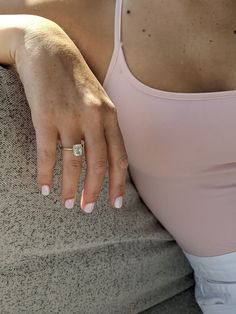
{"x": 182, "y": 155}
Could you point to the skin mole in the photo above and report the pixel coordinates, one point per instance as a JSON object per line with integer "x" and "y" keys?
{"x": 128, "y": 11}
{"x": 144, "y": 31}
{"x": 235, "y": 31}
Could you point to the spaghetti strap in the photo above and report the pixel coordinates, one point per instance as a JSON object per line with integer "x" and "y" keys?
{"x": 117, "y": 30}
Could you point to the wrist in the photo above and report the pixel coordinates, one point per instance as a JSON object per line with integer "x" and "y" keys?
{"x": 38, "y": 37}
{"x": 15, "y": 31}
{"x": 10, "y": 37}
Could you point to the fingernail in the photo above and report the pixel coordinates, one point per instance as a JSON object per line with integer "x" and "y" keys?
{"x": 89, "y": 208}
{"x": 118, "y": 202}
{"x": 69, "y": 203}
{"x": 45, "y": 190}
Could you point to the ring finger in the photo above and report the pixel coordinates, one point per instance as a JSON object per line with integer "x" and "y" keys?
{"x": 71, "y": 170}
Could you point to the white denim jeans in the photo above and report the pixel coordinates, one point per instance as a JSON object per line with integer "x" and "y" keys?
{"x": 215, "y": 287}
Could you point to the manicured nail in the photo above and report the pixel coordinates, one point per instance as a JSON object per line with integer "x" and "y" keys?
{"x": 69, "y": 203}
{"x": 45, "y": 190}
{"x": 89, "y": 208}
{"x": 118, "y": 202}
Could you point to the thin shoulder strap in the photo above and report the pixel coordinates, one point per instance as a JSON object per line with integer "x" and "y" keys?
{"x": 118, "y": 15}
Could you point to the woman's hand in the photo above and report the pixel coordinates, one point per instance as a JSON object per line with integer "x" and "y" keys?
{"x": 69, "y": 105}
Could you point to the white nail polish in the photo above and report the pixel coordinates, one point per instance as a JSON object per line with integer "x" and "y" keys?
{"x": 118, "y": 202}
{"x": 89, "y": 208}
{"x": 45, "y": 190}
{"x": 69, "y": 203}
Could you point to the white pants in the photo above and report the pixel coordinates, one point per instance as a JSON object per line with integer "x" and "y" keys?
{"x": 215, "y": 287}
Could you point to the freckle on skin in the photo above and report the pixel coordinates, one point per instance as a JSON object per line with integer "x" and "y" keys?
{"x": 149, "y": 35}
{"x": 143, "y": 30}
{"x": 210, "y": 41}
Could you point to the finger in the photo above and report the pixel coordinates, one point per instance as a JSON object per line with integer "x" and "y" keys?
{"x": 96, "y": 159}
{"x": 46, "y": 139}
{"x": 118, "y": 161}
{"x": 71, "y": 170}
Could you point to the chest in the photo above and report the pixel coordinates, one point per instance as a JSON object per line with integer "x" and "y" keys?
{"x": 180, "y": 46}
{"x": 183, "y": 48}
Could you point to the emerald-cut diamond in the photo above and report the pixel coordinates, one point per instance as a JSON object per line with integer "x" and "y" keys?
{"x": 78, "y": 149}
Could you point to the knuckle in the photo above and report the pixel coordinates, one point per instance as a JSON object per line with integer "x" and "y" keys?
{"x": 43, "y": 178}
{"x": 111, "y": 119}
{"x": 112, "y": 111}
{"x": 120, "y": 188}
{"x": 95, "y": 108}
{"x": 100, "y": 166}
{"x": 68, "y": 192}
{"x": 75, "y": 163}
{"x": 107, "y": 105}
{"x": 92, "y": 196}
{"x": 45, "y": 155}
{"x": 90, "y": 98}
{"x": 95, "y": 115}
{"x": 123, "y": 162}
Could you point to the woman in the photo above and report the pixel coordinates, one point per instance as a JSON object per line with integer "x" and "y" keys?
{"x": 171, "y": 78}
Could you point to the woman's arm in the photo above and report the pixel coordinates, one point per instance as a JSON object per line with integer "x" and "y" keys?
{"x": 89, "y": 23}
{"x": 67, "y": 104}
